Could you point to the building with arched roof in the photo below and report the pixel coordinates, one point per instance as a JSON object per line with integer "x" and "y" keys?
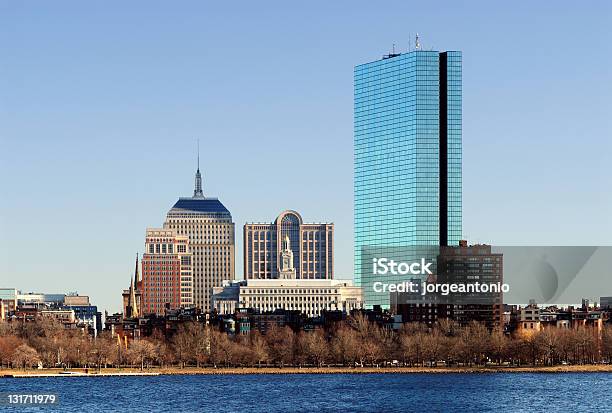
{"x": 309, "y": 244}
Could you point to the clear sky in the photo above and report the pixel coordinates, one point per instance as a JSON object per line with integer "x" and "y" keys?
{"x": 101, "y": 105}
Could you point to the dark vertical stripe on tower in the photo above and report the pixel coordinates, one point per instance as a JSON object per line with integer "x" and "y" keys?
{"x": 443, "y": 151}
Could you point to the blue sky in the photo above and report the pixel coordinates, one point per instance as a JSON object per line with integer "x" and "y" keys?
{"x": 101, "y": 105}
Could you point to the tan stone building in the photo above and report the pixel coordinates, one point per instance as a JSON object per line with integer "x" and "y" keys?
{"x": 312, "y": 248}
{"x": 63, "y": 316}
{"x": 210, "y": 230}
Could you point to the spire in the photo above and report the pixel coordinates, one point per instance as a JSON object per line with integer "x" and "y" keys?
{"x": 136, "y": 275}
{"x": 128, "y": 308}
{"x": 132, "y": 301}
{"x": 197, "y": 192}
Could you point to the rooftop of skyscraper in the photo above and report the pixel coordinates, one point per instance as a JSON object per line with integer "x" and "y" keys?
{"x": 199, "y": 205}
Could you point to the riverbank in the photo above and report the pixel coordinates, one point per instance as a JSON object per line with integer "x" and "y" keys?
{"x": 599, "y": 368}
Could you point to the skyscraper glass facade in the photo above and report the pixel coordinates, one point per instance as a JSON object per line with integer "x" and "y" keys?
{"x": 451, "y": 73}
{"x": 407, "y": 126}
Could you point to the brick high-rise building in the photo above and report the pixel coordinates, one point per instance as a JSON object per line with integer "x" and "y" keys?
{"x": 166, "y": 272}
{"x": 465, "y": 264}
{"x": 461, "y": 265}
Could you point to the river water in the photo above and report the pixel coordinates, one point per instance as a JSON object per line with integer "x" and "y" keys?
{"x": 546, "y": 392}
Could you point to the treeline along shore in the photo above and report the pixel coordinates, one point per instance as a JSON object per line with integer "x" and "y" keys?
{"x": 353, "y": 345}
{"x": 159, "y": 371}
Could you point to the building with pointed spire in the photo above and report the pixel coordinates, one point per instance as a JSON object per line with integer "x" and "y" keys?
{"x": 197, "y": 192}
{"x": 133, "y": 305}
{"x": 208, "y": 225}
{"x": 132, "y": 296}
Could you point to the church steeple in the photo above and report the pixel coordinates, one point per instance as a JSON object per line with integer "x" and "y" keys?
{"x": 197, "y": 192}
{"x": 131, "y": 309}
{"x": 132, "y": 301}
{"x": 136, "y": 275}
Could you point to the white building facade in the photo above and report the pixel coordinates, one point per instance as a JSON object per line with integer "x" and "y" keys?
{"x": 310, "y": 297}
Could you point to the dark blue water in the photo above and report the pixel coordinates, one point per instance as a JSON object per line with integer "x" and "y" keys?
{"x": 338, "y": 392}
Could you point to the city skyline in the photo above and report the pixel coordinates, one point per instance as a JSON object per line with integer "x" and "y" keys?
{"x": 68, "y": 195}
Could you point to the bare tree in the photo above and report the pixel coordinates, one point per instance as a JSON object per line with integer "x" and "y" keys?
{"x": 533, "y": 346}
{"x": 566, "y": 340}
{"x": 412, "y": 343}
{"x": 433, "y": 346}
{"x": 280, "y": 343}
{"x": 586, "y": 341}
{"x": 79, "y": 346}
{"x": 344, "y": 345}
{"x": 315, "y": 347}
{"x": 166, "y": 355}
{"x": 373, "y": 351}
{"x": 259, "y": 348}
{"x": 549, "y": 340}
{"x": 498, "y": 347}
{"x": 181, "y": 343}
{"x": 606, "y": 343}
{"x": 25, "y": 356}
{"x": 199, "y": 342}
{"x": 362, "y": 325}
{"x": 102, "y": 350}
{"x": 221, "y": 348}
{"x": 8, "y": 344}
{"x": 477, "y": 341}
{"x": 447, "y": 327}
{"x": 142, "y": 351}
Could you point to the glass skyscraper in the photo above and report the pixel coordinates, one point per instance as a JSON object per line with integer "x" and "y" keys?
{"x": 407, "y": 125}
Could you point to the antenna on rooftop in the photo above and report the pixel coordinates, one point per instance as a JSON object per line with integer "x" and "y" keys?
{"x": 417, "y": 45}
{"x": 392, "y": 53}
